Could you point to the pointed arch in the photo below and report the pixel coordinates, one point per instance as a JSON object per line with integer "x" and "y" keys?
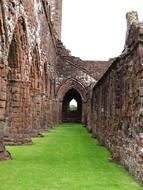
{"x": 66, "y": 87}
{"x": 69, "y": 84}
{"x": 18, "y": 53}
{"x": 69, "y": 115}
{"x": 17, "y": 85}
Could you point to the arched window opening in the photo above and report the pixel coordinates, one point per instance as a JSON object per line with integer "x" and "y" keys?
{"x": 17, "y": 51}
{"x": 73, "y": 105}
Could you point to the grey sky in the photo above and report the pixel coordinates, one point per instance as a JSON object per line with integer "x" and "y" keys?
{"x": 95, "y": 29}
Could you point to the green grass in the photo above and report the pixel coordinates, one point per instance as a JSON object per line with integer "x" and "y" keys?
{"x": 67, "y": 158}
{"x": 73, "y": 108}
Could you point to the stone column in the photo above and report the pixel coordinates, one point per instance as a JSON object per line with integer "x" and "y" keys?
{"x": 4, "y": 155}
{"x": 18, "y": 113}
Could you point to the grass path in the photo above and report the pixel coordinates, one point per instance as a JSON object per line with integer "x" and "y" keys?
{"x": 67, "y": 158}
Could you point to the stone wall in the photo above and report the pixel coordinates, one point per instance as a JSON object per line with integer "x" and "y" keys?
{"x": 56, "y": 15}
{"x": 117, "y": 105}
{"x": 74, "y": 73}
{"x": 38, "y": 78}
{"x": 3, "y": 76}
{"x": 32, "y": 68}
{"x": 70, "y": 76}
{"x": 36, "y": 70}
{"x": 4, "y": 155}
{"x": 27, "y": 73}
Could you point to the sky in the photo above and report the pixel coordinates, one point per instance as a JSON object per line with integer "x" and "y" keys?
{"x": 96, "y": 29}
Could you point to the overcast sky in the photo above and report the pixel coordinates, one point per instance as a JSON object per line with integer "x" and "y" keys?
{"x": 95, "y": 29}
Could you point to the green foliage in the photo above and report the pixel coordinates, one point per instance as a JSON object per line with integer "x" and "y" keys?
{"x": 67, "y": 158}
{"x": 72, "y": 108}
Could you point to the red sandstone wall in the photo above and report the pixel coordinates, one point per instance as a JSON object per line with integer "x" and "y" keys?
{"x": 117, "y": 105}
{"x": 34, "y": 68}
{"x": 72, "y": 72}
{"x": 3, "y": 75}
{"x": 56, "y": 15}
{"x": 36, "y": 71}
{"x": 71, "y": 75}
{"x": 27, "y": 71}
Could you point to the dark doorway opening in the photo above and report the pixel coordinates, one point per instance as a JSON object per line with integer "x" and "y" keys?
{"x": 72, "y": 107}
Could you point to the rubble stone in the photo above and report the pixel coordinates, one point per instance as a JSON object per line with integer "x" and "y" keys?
{"x": 116, "y": 118}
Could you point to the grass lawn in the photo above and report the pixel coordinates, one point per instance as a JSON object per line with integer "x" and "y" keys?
{"x": 67, "y": 158}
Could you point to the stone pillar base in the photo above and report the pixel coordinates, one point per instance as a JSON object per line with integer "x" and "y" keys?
{"x": 4, "y": 155}
{"x": 17, "y": 140}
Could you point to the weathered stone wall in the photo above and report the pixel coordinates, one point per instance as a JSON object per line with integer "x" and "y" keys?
{"x": 117, "y": 105}
{"x": 27, "y": 70}
{"x": 38, "y": 77}
{"x": 4, "y": 155}
{"x": 56, "y": 15}
{"x": 3, "y": 76}
{"x": 71, "y": 76}
{"x": 36, "y": 70}
{"x": 74, "y": 73}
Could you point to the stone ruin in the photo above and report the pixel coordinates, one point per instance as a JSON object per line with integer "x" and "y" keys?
{"x": 39, "y": 78}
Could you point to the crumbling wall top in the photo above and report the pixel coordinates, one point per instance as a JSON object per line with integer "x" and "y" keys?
{"x": 132, "y": 19}
{"x": 56, "y": 15}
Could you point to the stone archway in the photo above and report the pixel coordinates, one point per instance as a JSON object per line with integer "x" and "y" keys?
{"x": 72, "y": 89}
{"x": 68, "y": 114}
{"x": 17, "y": 108}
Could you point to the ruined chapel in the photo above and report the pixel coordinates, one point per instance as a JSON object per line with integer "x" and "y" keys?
{"x": 39, "y": 77}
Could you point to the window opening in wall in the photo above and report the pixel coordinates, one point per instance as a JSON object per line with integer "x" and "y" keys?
{"x": 73, "y": 105}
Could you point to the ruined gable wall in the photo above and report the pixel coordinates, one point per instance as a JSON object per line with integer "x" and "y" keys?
{"x": 96, "y": 68}
{"x": 67, "y": 69}
{"x": 70, "y": 75}
{"x": 72, "y": 72}
{"x": 116, "y": 106}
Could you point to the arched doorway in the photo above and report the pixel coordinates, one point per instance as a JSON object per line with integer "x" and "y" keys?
{"x": 80, "y": 96}
{"x": 72, "y": 107}
{"x": 18, "y": 102}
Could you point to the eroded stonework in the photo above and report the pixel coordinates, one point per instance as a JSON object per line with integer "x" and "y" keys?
{"x": 39, "y": 78}
{"x": 35, "y": 69}
{"x": 27, "y": 61}
{"x": 117, "y": 109}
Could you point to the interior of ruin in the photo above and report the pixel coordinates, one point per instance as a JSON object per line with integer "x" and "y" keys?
{"x": 39, "y": 77}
